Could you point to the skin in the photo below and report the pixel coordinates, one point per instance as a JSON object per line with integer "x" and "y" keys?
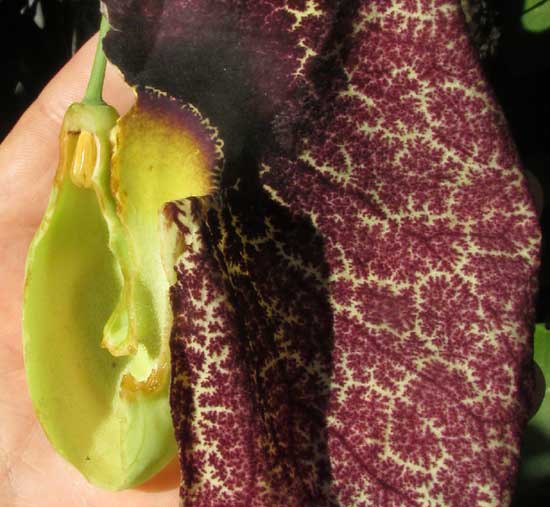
{"x": 31, "y": 473}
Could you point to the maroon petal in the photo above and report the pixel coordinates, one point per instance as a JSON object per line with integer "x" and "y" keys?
{"x": 353, "y": 325}
{"x": 252, "y": 355}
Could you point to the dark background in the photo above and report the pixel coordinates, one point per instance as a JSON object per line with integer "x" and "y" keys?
{"x": 38, "y": 36}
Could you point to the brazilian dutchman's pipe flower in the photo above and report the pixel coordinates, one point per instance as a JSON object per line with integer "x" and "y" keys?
{"x": 349, "y": 317}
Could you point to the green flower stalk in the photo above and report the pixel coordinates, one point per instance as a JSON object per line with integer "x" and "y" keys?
{"x": 94, "y": 89}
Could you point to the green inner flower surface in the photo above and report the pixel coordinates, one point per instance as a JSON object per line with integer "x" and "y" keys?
{"x": 96, "y": 317}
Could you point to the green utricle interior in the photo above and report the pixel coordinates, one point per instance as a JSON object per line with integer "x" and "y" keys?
{"x": 78, "y": 295}
{"x": 155, "y": 162}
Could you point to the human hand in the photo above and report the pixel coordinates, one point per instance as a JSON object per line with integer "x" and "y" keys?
{"x": 31, "y": 472}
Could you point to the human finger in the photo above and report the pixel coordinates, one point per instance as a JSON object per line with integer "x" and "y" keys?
{"x": 29, "y": 153}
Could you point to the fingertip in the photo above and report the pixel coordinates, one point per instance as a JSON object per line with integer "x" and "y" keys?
{"x": 116, "y": 91}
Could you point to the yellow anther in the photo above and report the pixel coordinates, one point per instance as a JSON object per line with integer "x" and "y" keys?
{"x": 84, "y": 159}
{"x": 130, "y": 387}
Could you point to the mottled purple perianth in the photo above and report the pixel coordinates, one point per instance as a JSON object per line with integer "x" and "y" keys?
{"x": 353, "y": 313}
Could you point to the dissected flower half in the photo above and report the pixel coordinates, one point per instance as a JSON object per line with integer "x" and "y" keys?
{"x": 97, "y": 317}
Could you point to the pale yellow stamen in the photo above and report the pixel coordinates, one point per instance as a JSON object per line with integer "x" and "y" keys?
{"x": 84, "y": 159}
